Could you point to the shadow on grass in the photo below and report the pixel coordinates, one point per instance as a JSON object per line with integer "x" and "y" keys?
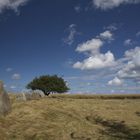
{"x": 138, "y": 113}
{"x": 115, "y": 129}
{"x": 76, "y": 137}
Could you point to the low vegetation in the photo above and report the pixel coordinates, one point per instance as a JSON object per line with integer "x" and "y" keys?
{"x": 73, "y": 117}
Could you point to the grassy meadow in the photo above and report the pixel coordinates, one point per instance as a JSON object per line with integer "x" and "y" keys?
{"x": 73, "y": 117}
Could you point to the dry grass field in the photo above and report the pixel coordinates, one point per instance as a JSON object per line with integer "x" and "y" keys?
{"x": 77, "y": 117}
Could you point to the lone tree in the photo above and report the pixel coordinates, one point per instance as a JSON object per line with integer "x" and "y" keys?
{"x": 48, "y": 84}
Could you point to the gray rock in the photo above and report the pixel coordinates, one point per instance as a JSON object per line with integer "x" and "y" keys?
{"x": 5, "y": 106}
{"x": 30, "y": 95}
{"x": 39, "y": 92}
{"x": 25, "y": 95}
{"x": 21, "y": 97}
{"x": 35, "y": 96}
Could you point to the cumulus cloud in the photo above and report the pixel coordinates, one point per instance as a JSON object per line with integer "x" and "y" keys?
{"x": 92, "y": 46}
{"x": 72, "y": 33}
{"x": 132, "y": 52}
{"x": 11, "y": 4}
{"x": 109, "y": 4}
{"x": 127, "y": 67}
{"x": 130, "y": 67}
{"x": 131, "y": 70}
{"x": 128, "y": 42}
{"x": 16, "y": 76}
{"x": 115, "y": 82}
{"x": 107, "y": 35}
{"x": 96, "y": 59}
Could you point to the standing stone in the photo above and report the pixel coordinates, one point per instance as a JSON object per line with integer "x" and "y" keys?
{"x": 38, "y": 93}
{"x": 21, "y": 97}
{"x": 28, "y": 96}
{"x": 24, "y": 96}
{"x": 5, "y": 105}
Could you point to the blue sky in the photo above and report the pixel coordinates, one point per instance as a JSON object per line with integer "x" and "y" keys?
{"x": 93, "y": 44}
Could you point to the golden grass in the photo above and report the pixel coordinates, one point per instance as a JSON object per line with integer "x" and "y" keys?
{"x": 67, "y": 117}
{"x": 96, "y": 96}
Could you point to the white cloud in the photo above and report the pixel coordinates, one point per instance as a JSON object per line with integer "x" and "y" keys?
{"x": 91, "y": 45}
{"x": 106, "y": 35}
{"x": 11, "y": 4}
{"x": 96, "y": 59}
{"x": 96, "y": 62}
{"x": 129, "y": 54}
{"x": 131, "y": 70}
{"x": 9, "y": 69}
{"x": 13, "y": 87}
{"x": 128, "y": 42}
{"x": 129, "y": 67}
{"x": 111, "y": 27}
{"x": 109, "y": 4}
{"x": 138, "y": 34}
{"x": 72, "y": 33}
{"x": 78, "y": 9}
{"x": 115, "y": 82}
{"x": 16, "y": 76}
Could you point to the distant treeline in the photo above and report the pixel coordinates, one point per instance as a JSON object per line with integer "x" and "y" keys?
{"x": 95, "y": 96}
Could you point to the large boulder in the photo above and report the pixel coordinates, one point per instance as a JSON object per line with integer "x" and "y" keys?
{"x": 5, "y": 105}
{"x": 38, "y": 93}
{"x": 21, "y": 97}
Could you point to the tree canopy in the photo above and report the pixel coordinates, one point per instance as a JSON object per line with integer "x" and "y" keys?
{"x": 48, "y": 84}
